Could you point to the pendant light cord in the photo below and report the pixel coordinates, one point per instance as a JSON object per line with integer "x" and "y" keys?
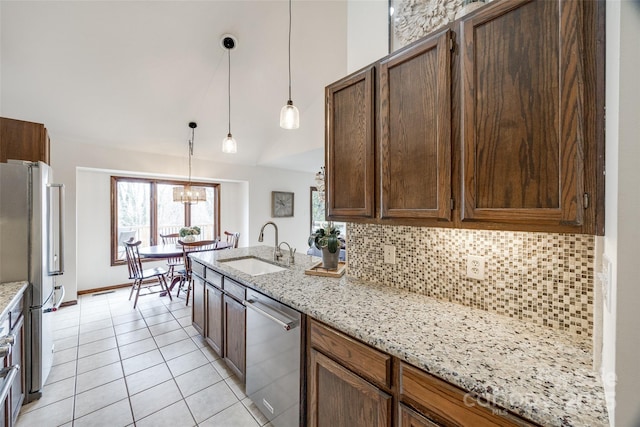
{"x": 289, "y": 50}
{"x": 191, "y": 152}
{"x": 229, "y": 89}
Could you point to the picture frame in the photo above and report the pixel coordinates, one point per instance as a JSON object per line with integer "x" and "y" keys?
{"x": 282, "y": 204}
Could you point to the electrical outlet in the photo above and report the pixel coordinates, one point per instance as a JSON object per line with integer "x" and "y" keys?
{"x": 389, "y": 254}
{"x": 475, "y": 267}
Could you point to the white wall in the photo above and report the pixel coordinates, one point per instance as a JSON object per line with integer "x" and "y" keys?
{"x": 621, "y": 338}
{"x": 246, "y": 191}
{"x": 367, "y": 32}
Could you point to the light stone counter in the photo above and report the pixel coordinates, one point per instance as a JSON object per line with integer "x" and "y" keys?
{"x": 539, "y": 373}
{"x": 10, "y": 293}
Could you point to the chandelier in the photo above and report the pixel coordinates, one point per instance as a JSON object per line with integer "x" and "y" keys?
{"x": 188, "y": 194}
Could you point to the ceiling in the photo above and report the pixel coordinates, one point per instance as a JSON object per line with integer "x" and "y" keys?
{"x": 132, "y": 74}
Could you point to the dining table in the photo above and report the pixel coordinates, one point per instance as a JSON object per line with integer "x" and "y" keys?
{"x": 173, "y": 250}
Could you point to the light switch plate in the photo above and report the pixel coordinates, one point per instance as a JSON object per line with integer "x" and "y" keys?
{"x": 475, "y": 267}
{"x": 389, "y": 254}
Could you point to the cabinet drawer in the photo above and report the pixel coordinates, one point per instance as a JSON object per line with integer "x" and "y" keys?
{"x": 234, "y": 289}
{"x": 448, "y": 404}
{"x": 360, "y": 358}
{"x": 214, "y": 278}
{"x": 197, "y": 268}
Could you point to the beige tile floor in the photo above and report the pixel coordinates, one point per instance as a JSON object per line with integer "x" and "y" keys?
{"x": 116, "y": 366}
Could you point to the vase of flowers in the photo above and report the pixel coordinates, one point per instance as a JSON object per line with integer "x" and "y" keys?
{"x": 326, "y": 239}
{"x": 188, "y": 234}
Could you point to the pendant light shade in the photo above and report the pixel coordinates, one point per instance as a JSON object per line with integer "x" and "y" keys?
{"x": 188, "y": 194}
{"x": 289, "y": 115}
{"x": 229, "y": 144}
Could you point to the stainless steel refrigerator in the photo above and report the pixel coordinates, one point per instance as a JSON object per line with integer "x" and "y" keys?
{"x": 32, "y": 249}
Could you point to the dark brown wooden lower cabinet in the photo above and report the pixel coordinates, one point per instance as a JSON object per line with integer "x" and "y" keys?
{"x": 215, "y": 320}
{"x": 410, "y": 418}
{"x": 340, "y": 398}
{"x": 235, "y": 338}
{"x": 198, "y": 304}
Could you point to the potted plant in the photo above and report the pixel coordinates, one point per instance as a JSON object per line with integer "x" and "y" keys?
{"x": 188, "y": 234}
{"x": 326, "y": 239}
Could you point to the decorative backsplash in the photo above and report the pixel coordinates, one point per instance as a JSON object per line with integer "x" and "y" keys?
{"x": 544, "y": 278}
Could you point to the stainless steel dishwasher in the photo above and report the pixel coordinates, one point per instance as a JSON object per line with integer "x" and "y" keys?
{"x": 273, "y": 359}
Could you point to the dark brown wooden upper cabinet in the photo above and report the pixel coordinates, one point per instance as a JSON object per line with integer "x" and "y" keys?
{"x": 20, "y": 140}
{"x": 350, "y": 140}
{"x": 523, "y": 116}
{"x": 415, "y": 130}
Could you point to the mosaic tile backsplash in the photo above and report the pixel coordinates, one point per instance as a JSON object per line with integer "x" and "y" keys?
{"x": 544, "y": 278}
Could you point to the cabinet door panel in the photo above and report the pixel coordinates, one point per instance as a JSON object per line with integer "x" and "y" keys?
{"x": 350, "y": 146}
{"x": 198, "y": 304}
{"x": 235, "y": 338}
{"x": 215, "y": 319}
{"x": 410, "y": 418}
{"x": 340, "y": 398}
{"x": 522, "y": 113}
{"x": 415, "y": 123}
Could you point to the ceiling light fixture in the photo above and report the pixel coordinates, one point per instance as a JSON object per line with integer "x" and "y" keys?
{"x": 187, "y": 194}
{"x": 229, "y": 144}
{"x": 289, "y": 115}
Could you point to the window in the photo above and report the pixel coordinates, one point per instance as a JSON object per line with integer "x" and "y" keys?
{"x": 144, "y": 209}
{"x": 318, "y": 217}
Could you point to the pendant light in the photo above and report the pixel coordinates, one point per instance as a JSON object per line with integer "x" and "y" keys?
{"x": 289, "y": 115}
{"x": 229, "y": 144}
{"x": 187, "y": 194}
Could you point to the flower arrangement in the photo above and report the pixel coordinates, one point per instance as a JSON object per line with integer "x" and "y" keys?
{"x": 327, "y": 236}
{"x": 189, "y": 231}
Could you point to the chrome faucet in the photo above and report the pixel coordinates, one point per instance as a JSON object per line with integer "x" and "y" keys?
{"x": 292, "y": 251}
{"x": 277, "y": 254}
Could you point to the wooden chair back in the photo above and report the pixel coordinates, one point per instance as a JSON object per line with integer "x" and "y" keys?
{"x": 133, "y": 259}
{"x": 232, "y": 238}
{"x": 168, "y": 239}
{"x": 199, "y": 246}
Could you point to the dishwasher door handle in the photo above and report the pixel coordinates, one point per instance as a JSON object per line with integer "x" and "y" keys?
{"x": 287, "y": 324}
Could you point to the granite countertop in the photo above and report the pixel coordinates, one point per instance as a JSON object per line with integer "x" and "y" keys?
{"x": 10, "y": 292}
{"x": 542, "y": 374}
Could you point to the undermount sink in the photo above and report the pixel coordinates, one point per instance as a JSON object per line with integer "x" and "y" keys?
{"x": 253, "y": 266}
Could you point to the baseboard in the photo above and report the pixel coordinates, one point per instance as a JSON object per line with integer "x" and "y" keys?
{"x": 105, "y": 288}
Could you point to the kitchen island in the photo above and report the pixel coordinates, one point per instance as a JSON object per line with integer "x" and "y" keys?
{"x": 538, "y": 373}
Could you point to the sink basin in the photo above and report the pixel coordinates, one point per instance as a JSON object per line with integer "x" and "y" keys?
{"x": 253, "y": 266}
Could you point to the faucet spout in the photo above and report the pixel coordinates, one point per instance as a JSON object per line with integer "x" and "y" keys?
{"x": 277, "y": 254}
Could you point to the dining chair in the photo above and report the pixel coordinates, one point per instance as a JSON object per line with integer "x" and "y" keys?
{"x": 140, "y": 275}
{"x": 172, "y": 263}
{"x": 187, "y": 248}
{"x": 232, "y": 239}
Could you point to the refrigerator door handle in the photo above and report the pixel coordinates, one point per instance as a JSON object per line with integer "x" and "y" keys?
{"x": 56, "y": 254}
{"x": 56, "y": 305}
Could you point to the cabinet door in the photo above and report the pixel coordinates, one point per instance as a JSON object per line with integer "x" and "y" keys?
{"x": 522, "y": 113}
{"x": 22, "y": 140}
{"x": 340, "y": 398}
{"x": 350, "y": 146}
{"x": 235, "y": 340}
{"x": 215, "y": 319}
{"x": 415, "y": 130}
{"x": 410, "y": 418}
{"x": 198, "y": 310}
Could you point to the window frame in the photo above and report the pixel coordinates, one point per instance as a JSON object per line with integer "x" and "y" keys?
{"x": 153, "y": 220}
